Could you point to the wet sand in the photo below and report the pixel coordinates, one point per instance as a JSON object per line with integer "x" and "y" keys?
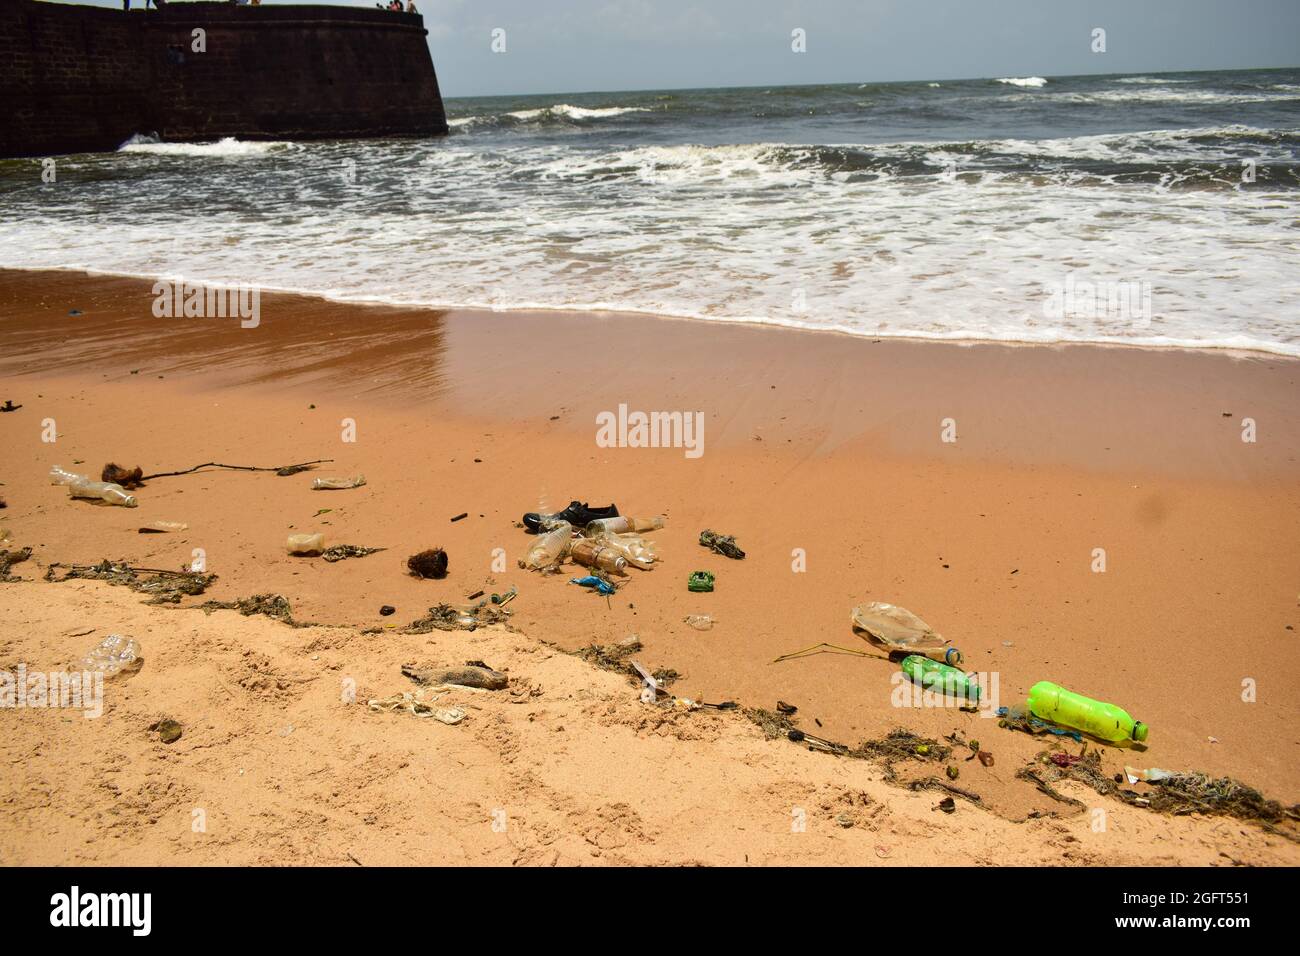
{"x": 816, "y": 444}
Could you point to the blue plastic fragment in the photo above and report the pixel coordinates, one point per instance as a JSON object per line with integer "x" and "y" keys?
{"x": 591, "y": 581}
{"x": 1049, "y": 727}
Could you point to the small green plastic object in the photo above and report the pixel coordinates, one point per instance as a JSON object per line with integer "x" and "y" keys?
{"x": 940, "y": 677}
{"x": 700, "y": 581}
{"x": 1094, "y": 717}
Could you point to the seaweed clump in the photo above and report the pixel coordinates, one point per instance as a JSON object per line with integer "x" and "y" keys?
{"x": 341, "y": 552}
{"x": 164, "y": 587}
{"x": 1176, "y": 794}
{"x": 771, "y": 722}
{"x": 446, "y": 617}
{"x": 274, "y": 606}
{"x": 8, "y": 559}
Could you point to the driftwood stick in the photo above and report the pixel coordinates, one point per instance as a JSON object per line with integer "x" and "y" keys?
{"x": 217, "y": 464}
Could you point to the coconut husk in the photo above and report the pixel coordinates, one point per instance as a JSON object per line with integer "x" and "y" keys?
{"x": 428, "y": 564}
{"x": 128, "y": 478}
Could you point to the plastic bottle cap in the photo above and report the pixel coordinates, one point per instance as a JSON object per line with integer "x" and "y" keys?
{"x": 1139, "y": 731}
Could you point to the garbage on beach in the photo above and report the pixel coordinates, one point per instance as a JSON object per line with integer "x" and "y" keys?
{"x": 623, "y": 524}
{"x": 445, "y": 617}
{"x": 417, "y": 705}
{"x": 8, "y": 559}
{"x": 896, "y": 629}
{"x": 593, "y": 554}
{"x": 550, "y": 549}
{"x": 115, "y": 654}
{"x": 79, "y": 486}
{"x": 337, "y": 484}
{"x": 940, "y": 677}
{"x": 305, "y": 544}
{"x": 126, "y": 477}
{"x": 650, "y": 690}
{"x": 1013, "y": 718}
{"x": 163, "y": 527}
{"x": 428, "y": 564}
{"x": 701, "y": 622}
{"x": 339, "y": 552}
{"x": 477, "y": 676}
{"x": 163, "y": 586}
{"x": 599, "y": 584}
{"x": 700, "y": 581}
{"x": 723, "y": 544}
{"x": 1108, "y": 722}
{"x": 1153, "y": 775}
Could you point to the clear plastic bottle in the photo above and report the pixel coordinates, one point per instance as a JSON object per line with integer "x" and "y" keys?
{"x": 608, "y": 525}
{"x": 592, "y": 554}
{"x": 630, "y": 546}
{"x": 114, "y": 494}
{"x": 337, "y": 484}
{"x": 306, "y": 544}
{"x": 550, "y": 547}
{"x": 61, "y": 476}
{"x": 113, "y": 655}
{"x": 624, "y": 525}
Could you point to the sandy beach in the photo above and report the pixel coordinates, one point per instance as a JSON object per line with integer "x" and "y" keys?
{"x": 824, "y": 454}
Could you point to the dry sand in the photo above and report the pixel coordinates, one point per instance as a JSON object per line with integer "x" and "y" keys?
{"x": 817, "y": 442}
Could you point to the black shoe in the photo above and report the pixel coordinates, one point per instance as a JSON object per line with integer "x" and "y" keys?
{"x": 577, "y": 514}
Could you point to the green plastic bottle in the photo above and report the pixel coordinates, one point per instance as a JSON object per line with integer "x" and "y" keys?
{"x": 941, "y": 677}
{"x": 1103, "y": 721}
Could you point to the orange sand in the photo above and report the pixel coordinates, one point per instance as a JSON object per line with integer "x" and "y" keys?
{"x": 813, "y": 441}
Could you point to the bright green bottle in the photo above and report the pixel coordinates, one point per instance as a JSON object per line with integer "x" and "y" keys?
{"x": 941, "y": 677}
{"x": 1103, "y": 721}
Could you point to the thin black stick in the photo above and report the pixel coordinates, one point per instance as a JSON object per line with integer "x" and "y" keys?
{"x": 217, "y": 464}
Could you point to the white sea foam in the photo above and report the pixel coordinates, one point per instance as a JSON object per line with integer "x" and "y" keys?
{"x": 868, "y": 239}
{"x": 1157, "y": 95}
{"x": 1034, "y": 81}
{"x": 576, "y": 112}
{"x": 228, "y": 148}
{"x": 1150, "y": 80}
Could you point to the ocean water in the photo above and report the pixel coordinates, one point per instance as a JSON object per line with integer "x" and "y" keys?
{"x": 1139, "y": 209}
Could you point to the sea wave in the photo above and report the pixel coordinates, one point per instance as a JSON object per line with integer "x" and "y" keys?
{"x": 564, "y": 114}
{"x": 1033, "y": 81}
{"x": 228, "y": 148}
{"x": 1165, "y": 158}
{"x": 1155, "y": 95}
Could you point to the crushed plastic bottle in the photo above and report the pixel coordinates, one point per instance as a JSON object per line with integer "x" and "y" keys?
{"x": 1096, "y": 718}
{"x": 114, "y": 494}
{"x": 639, "y": 552}
{"x": 61, "y": 476}
{"x": 701, "y": 622}
{"x": 115, "y": 654}
{"x": 338, "y": 484}
{"x": 305, "y": 544}
{"x": 550, "y": 547}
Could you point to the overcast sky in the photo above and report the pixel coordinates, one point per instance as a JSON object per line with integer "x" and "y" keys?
{"x": 555, "y": 46}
